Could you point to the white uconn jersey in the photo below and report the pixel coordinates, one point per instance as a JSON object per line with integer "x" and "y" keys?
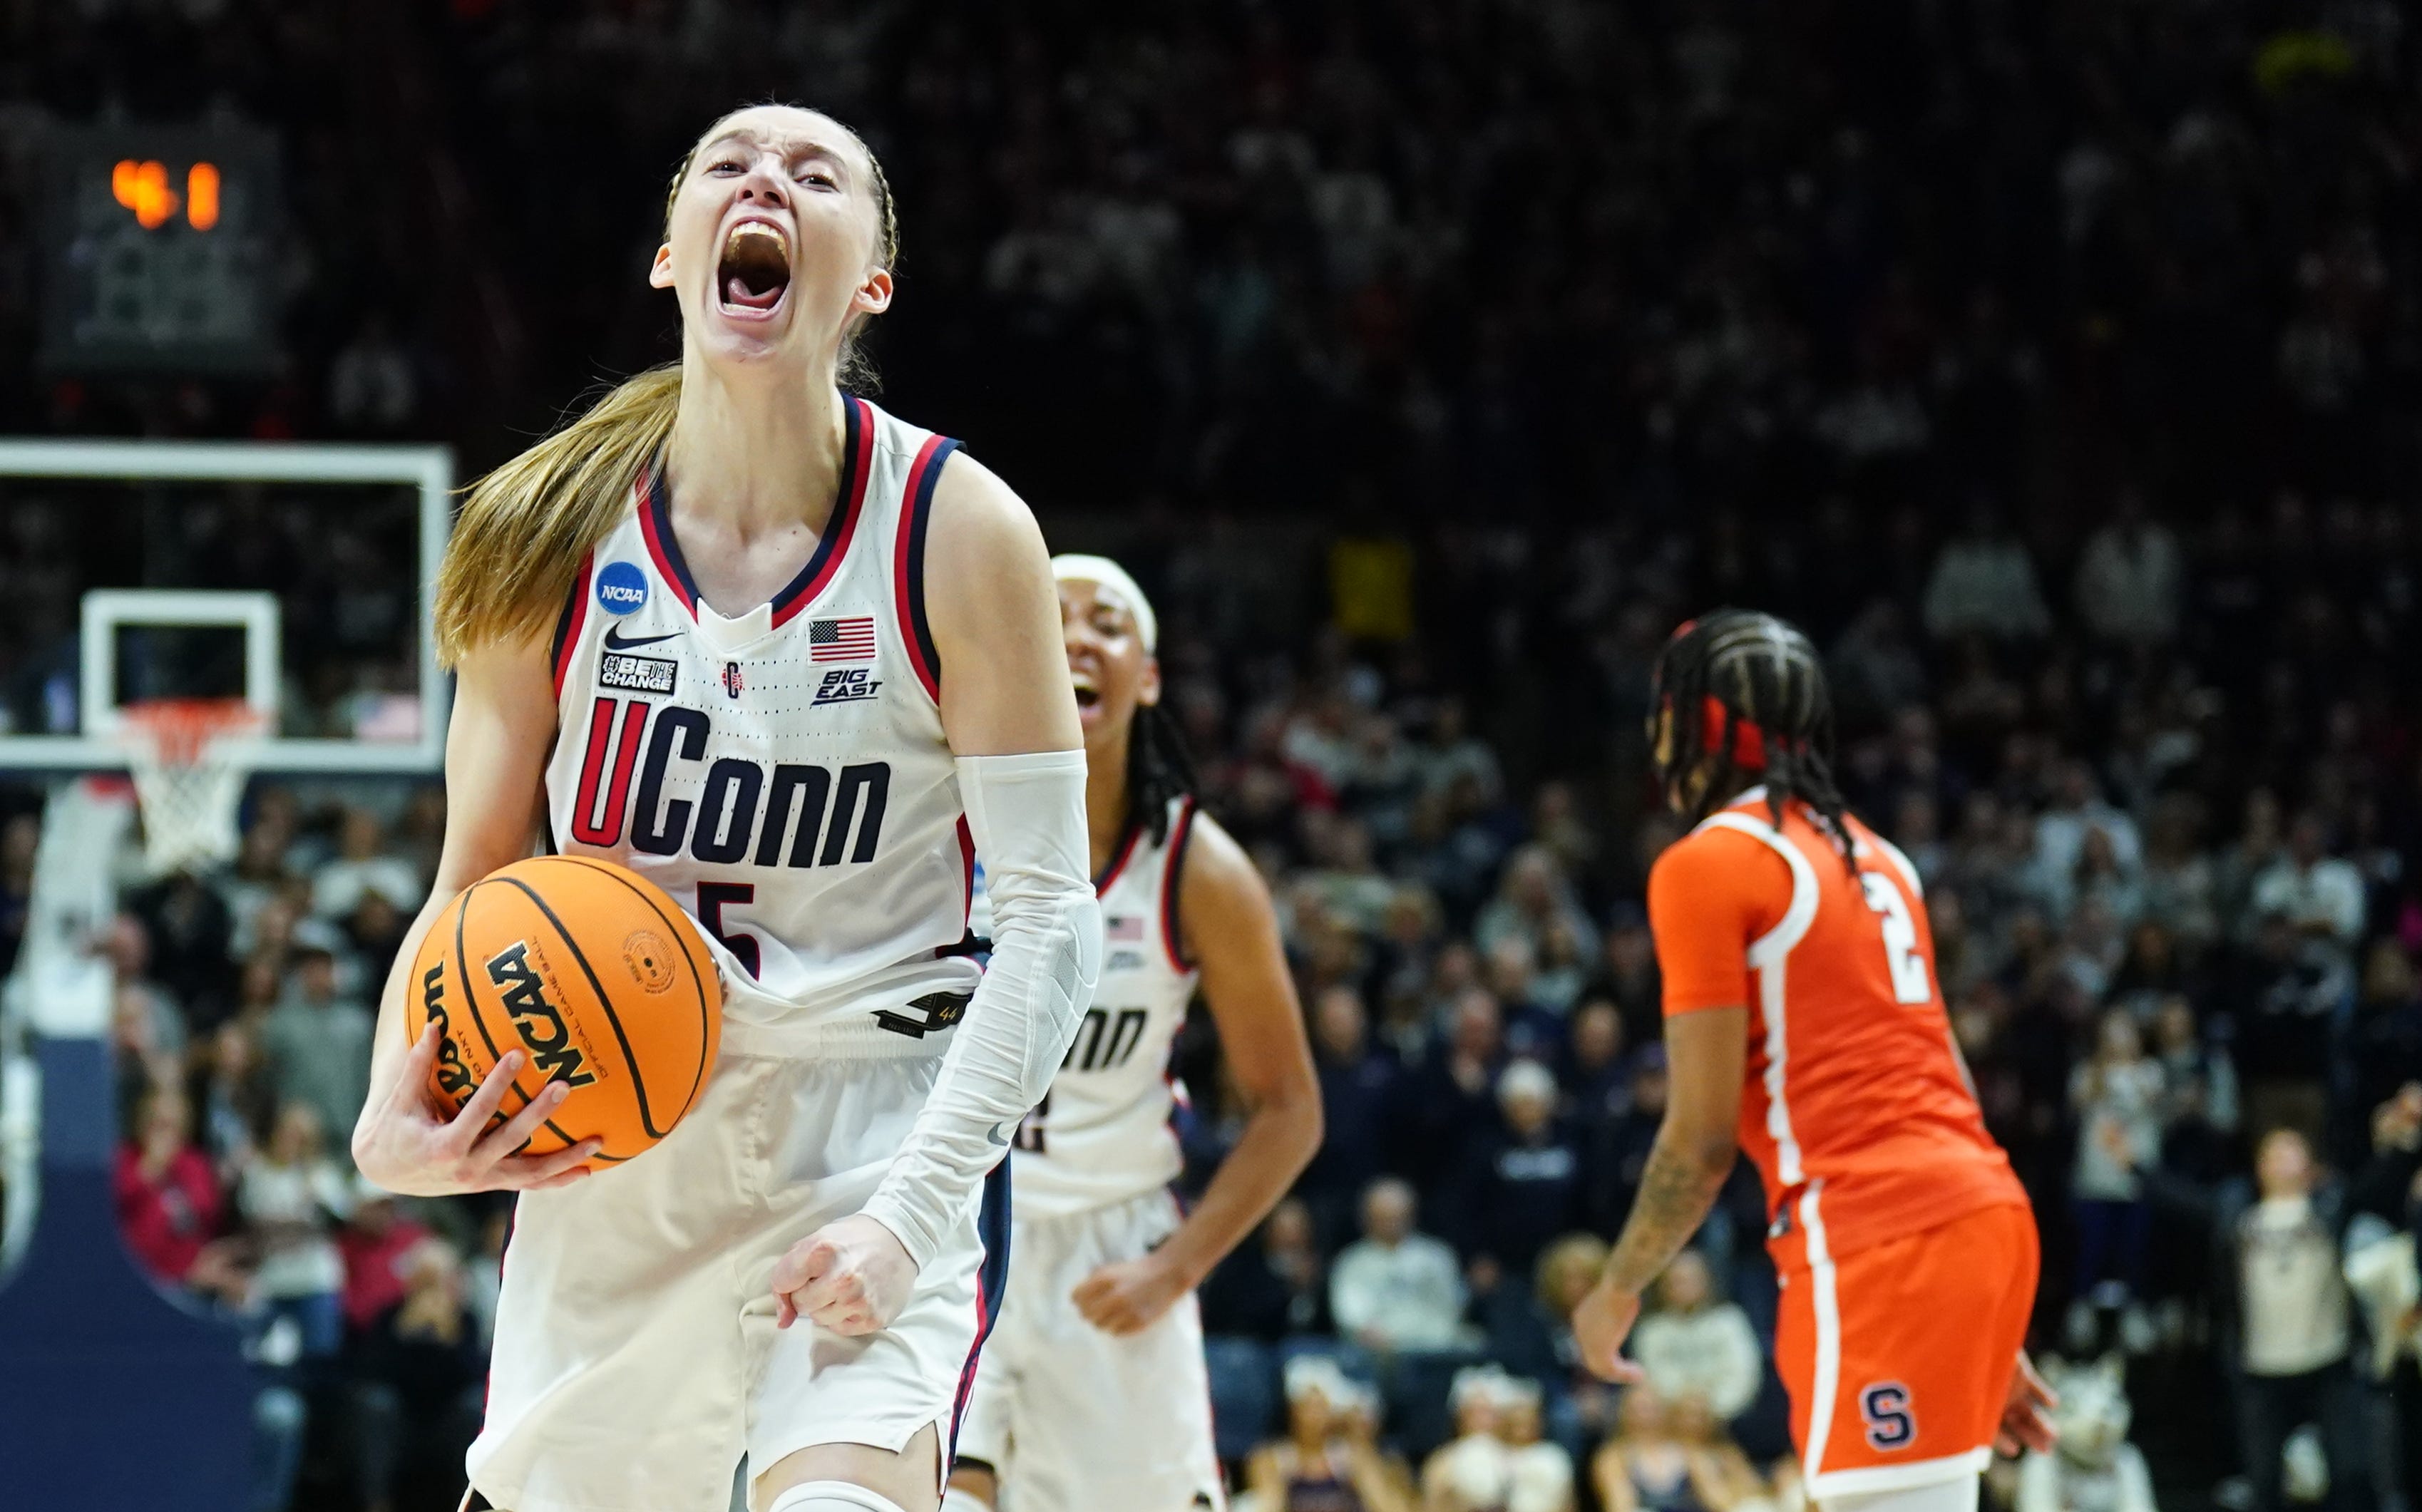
{"x": 783, "y": 775}
{"x": 1102, "y": 1134}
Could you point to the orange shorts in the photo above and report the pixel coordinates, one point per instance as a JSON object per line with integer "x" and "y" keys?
{"x": 1897, "y": 1357}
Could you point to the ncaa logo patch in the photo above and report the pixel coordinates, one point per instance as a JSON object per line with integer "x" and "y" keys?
{"x": 622, "y": 588}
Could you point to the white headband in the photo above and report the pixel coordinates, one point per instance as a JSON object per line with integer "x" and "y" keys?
{"x": 1104, "y": 573}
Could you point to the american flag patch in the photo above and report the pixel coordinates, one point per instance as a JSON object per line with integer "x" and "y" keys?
{"x": 850, "y": 639}
{"x": 1128, "y": 927}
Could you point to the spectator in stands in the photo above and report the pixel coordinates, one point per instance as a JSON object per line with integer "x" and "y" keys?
{"x": 2199, "y": 1100}
{"x": 1647, "y": 1467}
{"x": 1539, "y": 1471}
{"x": 2128, "y": 577}
{"x": 2320, "y": 896}
{"x": 1397, "y": 1288}
{"x": 1616, "y": 1141}
{"x": 1273, "y": 1289}
{"x": 290, "y": 1197}
{"x": 1326, "y": 1461}
{"x": 2078, "y": 808}
{"x": 2117, "y": 1097}
{"x": 1696, "y": 1425}
{"x": 1453, "y": 1096}
{"x": 2287, "y": 1301}
{"x": 1534, "y": 897}
{"x": 1984, "y": 582}
{"x": 1696, "y": 1344}
{"x": 316, "y": 1043}
{"x": 235, "y": 1099}
{"x": 1628, "y": 971}
{"x": 1519, "y": 1185}
{"x": 168, "y": 1199}
{"x": 420, "y": 1382}
{"x": 1357, "y": 1090}
{"x": 362, "y": 867}
{"x": 1594, "y": 1071}
{"x": 376, "y": 1242}
{"x": 2284, "y": 999}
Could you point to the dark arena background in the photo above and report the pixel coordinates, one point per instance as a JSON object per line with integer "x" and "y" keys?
{"x": 2056, "y": 366}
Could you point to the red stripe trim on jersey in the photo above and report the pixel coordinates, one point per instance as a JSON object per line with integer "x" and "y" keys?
{"x": 966, "y": 873}
{"x": 857, "y": 462}
{"x": 992, "y": 1284}
{"x": 1181, "y": 831}
{"x": 1119, "y": 862}
{"x": 573, "y": 619}
{"x": 657, "y": 528}
{"x": 908, "y": 562}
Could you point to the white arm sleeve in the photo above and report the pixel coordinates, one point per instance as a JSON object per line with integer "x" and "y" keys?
{"x": 1027, "y": 814}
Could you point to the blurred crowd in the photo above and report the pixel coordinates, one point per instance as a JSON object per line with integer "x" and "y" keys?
{"x": 2056, "y": 367}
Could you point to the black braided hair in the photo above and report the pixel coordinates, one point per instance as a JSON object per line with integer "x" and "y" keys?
{"x": 1159, "y": 769}
{"x": 1760, "y": 671}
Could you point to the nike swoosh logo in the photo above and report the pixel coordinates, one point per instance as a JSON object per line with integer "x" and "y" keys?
{"x": 993, "y": 1134}
{"x": 616, "y": 641}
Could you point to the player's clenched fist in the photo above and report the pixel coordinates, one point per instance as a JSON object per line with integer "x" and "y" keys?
{"x": 852, "y": 1276}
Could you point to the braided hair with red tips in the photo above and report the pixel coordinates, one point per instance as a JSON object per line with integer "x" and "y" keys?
{"x": 1748, "y": 700}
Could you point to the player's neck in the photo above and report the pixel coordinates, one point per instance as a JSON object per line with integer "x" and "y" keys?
{"x": 757, "y": 450}
{"x": 1106, "y": 799}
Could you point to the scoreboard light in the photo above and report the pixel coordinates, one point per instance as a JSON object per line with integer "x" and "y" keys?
{"x": 158, "y": 252}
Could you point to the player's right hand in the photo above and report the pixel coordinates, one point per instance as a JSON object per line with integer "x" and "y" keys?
{"x": 405, "y": 1146}
{"x": 2026, "y": 1411}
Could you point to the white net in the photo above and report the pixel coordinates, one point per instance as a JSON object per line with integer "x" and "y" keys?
{"x": 186, "y": 758}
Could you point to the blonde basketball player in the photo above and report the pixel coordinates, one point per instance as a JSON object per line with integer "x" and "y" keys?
{"x": 794, "y": 660}
{"x": 1092, "y": 1395}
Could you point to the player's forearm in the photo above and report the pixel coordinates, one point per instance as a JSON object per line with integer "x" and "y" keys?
{"x": 1027, "y": 814}
{"x": 1279, "y": 1137}
{"x": 1676, "y": 1191}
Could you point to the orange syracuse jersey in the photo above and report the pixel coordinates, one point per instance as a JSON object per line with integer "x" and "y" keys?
{"x": 1855, "y": 1108}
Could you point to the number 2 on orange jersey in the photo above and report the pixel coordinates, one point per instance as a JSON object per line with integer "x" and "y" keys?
{"x": 1900, "y": 939}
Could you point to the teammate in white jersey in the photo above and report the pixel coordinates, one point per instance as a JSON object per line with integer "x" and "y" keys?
{"x": 1092, "y": 1395}
{"x": 794, "y": 660}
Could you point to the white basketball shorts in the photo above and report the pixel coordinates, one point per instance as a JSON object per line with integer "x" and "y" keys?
{"x": 636, "y": 1355}
{"x": 1072, "y": 1419}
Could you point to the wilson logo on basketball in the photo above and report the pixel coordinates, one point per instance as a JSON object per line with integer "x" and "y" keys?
{"x": 650, "y": 960}
{"x": 541, "y": 1026}
{"x": 453, "y": 1078}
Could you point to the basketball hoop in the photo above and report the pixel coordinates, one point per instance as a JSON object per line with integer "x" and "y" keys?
{"x": 186, "y": 756}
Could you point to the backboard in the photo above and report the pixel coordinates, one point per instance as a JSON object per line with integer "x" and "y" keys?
{"x": 299, "y": 578}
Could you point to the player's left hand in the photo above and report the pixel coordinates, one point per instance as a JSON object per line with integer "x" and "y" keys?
{"x": 852, "y": 1276}
{"x": 1601, "y": 1323}
{"x": 1128, "y": 1296}
{"x": 2026, "y": 1411}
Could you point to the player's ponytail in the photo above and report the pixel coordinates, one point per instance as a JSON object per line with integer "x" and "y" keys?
{"x": 526, "y": 526}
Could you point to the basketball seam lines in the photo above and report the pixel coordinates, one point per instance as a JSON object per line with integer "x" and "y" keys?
{"x": 697, "y": 977}
{"x": 630, "y": 1059}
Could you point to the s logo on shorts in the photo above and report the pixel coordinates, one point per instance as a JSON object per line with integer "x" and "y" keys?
{"x": 1891, "y": 1424}
{"x": 620, "y": 588}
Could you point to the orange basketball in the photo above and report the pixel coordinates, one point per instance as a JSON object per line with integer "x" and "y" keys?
{"x": 593, "y": 973}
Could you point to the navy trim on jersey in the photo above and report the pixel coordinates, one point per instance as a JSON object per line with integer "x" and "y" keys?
{"x": 991, "y": 1284}
{"x": 1118, "y": 862}
{"x": 656, "y": 525}
{"x": 1181, "y": 834}
{"x": 568, "y": 624}
{"x": 857, "y": 462}
{"x": 908, "y": 562}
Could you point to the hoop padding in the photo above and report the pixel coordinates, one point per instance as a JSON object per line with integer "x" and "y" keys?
{"x": 189, "y": 774}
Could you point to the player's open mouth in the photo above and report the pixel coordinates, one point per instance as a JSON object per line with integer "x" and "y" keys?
{"x": 1087, "y": 695}
{"x": 754, "y": 272}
